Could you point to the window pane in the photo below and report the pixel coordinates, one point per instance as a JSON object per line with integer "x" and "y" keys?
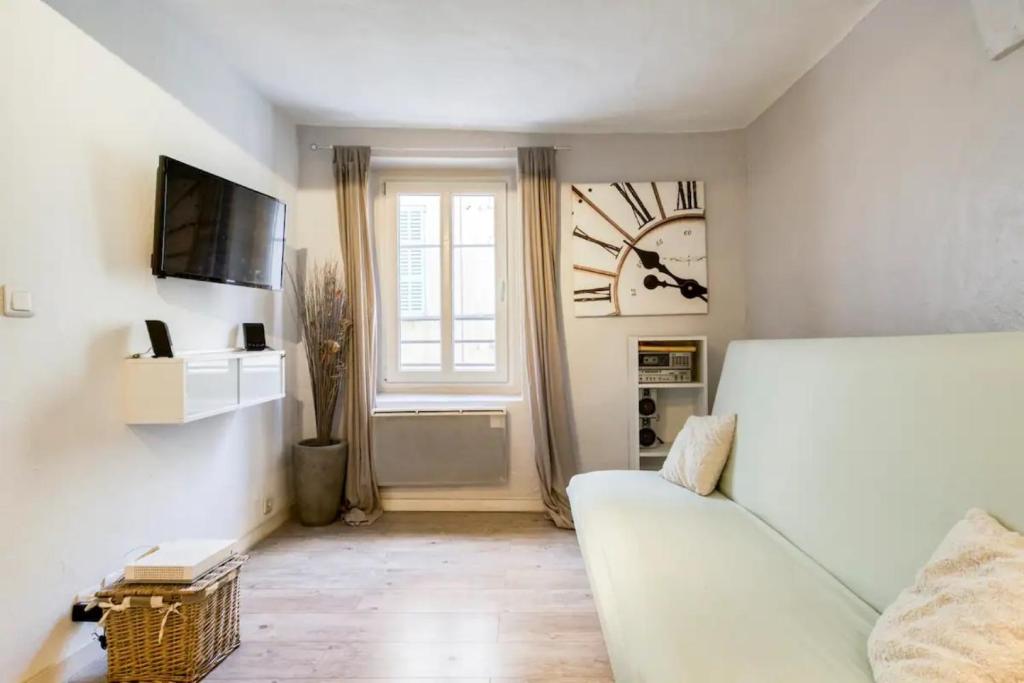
{"x": 475, "y": 348}
{"x": 472, "y": 219}
{"x": 475, "y": 329}
{"x": 419, "y": 282}
{"x": 421, "y": 330}
{"x": 473, "y": 285}
{"x": 474, "y": 302}
{"x": 419, "y": 219}
{"x": 473, "y": 356}
{"x": 421, "y": 356}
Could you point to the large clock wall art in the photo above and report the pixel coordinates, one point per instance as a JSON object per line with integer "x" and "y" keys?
{"x": 639, "y": 248}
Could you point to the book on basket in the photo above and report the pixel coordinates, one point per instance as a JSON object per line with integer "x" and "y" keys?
{"x": 181, "y": 561}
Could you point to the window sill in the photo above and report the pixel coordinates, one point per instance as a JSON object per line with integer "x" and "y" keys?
{"x": 397, "y": 401}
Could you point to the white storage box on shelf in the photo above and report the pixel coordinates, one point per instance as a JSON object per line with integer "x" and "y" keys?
{"x": 192, "y": 386}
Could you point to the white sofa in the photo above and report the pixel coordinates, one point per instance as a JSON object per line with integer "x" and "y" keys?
{"x": 852, "y": 459}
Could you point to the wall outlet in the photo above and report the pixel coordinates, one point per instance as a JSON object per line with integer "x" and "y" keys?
{"x": 268, "y": 505}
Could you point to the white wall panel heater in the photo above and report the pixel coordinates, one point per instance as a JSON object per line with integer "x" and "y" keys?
{"x": 440, "y": 447}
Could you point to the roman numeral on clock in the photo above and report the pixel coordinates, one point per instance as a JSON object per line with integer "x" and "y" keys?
{"x": 593, "y": 294}
{"x": 686, "y": 197}
{"x": 640, "y": 212}
{"x": 610, "y": 248}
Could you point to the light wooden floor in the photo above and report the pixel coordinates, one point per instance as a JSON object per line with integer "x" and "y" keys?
{"x": 419, "y": 597}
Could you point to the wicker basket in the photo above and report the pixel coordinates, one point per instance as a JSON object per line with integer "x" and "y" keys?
{"x": 171, "y": 633}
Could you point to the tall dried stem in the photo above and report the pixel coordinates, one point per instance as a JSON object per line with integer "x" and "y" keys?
{"x": 322, "y": 310}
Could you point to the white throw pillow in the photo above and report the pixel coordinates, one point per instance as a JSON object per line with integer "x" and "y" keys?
{"x": 698, "y": 454}
{"x": 963, "y": 619}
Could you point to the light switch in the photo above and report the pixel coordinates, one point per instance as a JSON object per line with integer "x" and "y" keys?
{"x": 21, "y": 301}
{"x": 18, "y": 304}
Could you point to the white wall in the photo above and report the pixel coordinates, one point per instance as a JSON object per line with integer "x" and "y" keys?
{"x": 886, "y": 186}
{"x": 170, "y": 54}
{"x": 596, "y": 347}
{"x": 82, "y": 131}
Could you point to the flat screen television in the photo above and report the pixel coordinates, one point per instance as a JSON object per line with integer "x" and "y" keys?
{"x": 209, "y": 228}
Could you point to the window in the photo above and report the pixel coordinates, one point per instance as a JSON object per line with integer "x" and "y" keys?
{"x": 443, "y": 263}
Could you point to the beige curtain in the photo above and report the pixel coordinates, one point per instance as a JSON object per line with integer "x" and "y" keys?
{"x": 545, "y": 359}
{"x": 351, "y": 168}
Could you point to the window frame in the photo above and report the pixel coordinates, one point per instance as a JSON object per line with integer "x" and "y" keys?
{"x": 392, "y": 376}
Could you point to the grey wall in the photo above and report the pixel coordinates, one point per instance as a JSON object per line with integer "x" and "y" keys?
{"x": 886, "y": 188}
{"x": 597, "y": 346}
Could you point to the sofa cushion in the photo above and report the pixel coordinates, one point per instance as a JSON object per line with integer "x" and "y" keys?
{"x": 962, "y": 621}
{"x": 693, "y": 588}
{"x": 699, "y": 452}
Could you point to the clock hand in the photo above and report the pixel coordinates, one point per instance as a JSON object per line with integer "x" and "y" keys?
{"x": 651, "y": 260}
{"x": 652, "y": 282}
{"x": 691, "y": 289}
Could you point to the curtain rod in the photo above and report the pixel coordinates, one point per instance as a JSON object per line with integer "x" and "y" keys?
{"x": 434, "y": 150}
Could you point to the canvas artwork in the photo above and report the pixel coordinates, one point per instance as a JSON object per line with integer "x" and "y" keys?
{"x": 639, "y": 248}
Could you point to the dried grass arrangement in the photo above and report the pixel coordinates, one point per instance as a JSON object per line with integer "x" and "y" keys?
{"x": 321, "y": 304}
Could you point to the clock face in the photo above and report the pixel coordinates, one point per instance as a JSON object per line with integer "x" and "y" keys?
{"x": 639, "y": 248}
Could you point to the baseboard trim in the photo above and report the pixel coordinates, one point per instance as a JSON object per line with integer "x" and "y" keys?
{"x": 264, "y": 529}
{"x": 85, "y": 656}
{"x": 407, "y": 504}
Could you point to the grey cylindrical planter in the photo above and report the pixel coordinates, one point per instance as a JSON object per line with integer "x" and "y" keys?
{"x": 319, "y": 481}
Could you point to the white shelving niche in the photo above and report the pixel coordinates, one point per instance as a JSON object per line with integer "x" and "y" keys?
{"x": 674, "y": 400}
{"x": 197, "y": 385}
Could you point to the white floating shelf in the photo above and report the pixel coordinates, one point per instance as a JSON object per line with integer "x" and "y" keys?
{"x": 654, "y": 452}
{"x": 194, "y": 386}
{"x": 671, "y": 385}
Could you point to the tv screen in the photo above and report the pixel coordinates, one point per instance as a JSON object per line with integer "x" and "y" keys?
{"x": 209, "y": 228}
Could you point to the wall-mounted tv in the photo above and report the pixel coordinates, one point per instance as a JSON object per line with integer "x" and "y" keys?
{"x": 209, "y": 228}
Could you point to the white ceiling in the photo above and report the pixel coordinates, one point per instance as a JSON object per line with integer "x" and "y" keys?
{"x": 523, "y": 65}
